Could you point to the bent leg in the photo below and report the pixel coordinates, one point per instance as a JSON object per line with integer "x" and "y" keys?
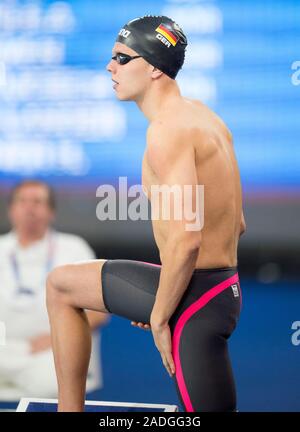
{"x": 71, "y": 289}
{"x": 129, "y": 288}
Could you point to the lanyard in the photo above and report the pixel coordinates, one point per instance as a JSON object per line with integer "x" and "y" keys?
{"x": 20, "y": 288}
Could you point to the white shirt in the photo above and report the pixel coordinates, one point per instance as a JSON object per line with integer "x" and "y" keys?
{"x": 25, "y": 314}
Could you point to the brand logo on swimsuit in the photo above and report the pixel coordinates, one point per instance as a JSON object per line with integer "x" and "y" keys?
{"x": 235, "y": 290}
{"x": 124, "y": 33}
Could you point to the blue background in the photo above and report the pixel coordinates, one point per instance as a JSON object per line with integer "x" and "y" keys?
{"x": 255, "y": 45}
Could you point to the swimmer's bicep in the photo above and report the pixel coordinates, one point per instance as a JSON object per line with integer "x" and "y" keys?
{"x": 172, "y": 158}
{"x": 183, "y": 173}
{"x": 174, "y": 166}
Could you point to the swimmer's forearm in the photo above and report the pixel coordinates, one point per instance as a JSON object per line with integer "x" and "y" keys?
{"x": 177, "y": 269}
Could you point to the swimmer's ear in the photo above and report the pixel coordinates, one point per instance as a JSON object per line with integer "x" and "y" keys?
{"x": 156, "y": 73}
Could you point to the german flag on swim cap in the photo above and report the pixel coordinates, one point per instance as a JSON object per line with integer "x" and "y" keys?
{"x": 158, "y": 39}
{"x": 167, "y": 34}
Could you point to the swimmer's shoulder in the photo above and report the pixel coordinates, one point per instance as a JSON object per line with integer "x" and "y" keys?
{"x": 166, "y": 130}
{"x": 176, "y": 123}
{"x": 167, "y": 140}
{"x": 209, "y": 123}
{"x": 190, "y": 123}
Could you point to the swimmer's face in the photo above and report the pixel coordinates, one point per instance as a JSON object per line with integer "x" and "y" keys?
{"x": 132, "y": 79}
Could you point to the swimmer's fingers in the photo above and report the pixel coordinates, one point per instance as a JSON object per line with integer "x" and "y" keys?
{"x": 141, "y": 325}
{"x": 137, "y": 324}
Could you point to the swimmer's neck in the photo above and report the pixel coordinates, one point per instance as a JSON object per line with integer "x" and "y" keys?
{"x": 153, "y": 101}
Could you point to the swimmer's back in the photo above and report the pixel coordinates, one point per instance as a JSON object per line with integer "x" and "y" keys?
{"x": 217, "y": 170}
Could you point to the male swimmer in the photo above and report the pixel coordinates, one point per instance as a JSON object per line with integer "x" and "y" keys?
{"x": 192, "y": 301}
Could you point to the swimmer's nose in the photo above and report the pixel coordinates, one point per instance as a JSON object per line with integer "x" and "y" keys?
{"x": 109, "y": 66}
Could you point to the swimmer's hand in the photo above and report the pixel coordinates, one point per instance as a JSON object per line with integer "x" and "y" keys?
{"x": 141, "y": 325}
{"x": 162, "y": 339}
{"x": 163, "y": 342}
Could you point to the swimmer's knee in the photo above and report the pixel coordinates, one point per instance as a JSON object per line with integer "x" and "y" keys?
{"x": 54, "y": 278}
{"x": 56, "y": 283}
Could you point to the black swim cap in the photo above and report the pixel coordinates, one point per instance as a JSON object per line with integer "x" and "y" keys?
{"x": 158, "y": 39}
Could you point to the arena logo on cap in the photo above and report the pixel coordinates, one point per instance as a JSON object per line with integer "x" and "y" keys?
{"x": 125, "y": 33}
{"x": 167, "y": 35}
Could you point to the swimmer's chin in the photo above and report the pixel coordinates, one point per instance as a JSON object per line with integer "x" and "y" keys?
{"x": 125, "y": 98}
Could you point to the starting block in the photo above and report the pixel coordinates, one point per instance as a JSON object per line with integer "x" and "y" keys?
{"x": 50, "y": 405}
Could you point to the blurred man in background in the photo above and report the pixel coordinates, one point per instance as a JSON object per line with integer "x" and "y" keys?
{"x": 27, "y": 253}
